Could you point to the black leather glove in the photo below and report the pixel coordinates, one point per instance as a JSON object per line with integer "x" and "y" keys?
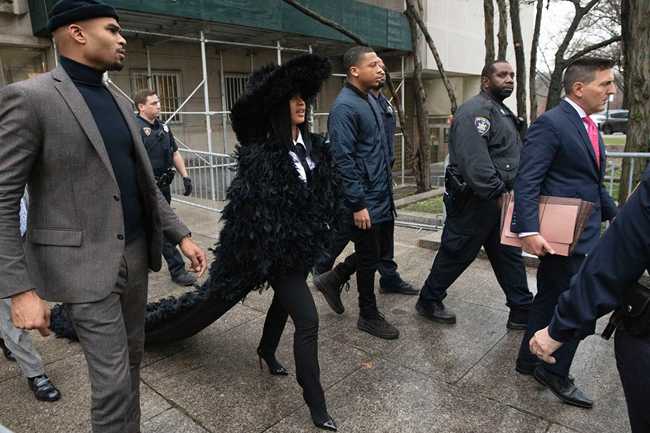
{"x": 187, "y": 184}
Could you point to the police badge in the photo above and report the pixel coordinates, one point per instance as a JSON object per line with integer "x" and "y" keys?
{"x": 482, "y": 125}
{"x": 147, "y": 131}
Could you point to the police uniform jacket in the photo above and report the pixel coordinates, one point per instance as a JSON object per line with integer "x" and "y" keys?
{"x": 159, "y": 142}
{"x": 484, "y": 144}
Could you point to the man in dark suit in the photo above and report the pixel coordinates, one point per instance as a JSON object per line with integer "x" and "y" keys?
{"x": 605, "y": 282}
{"x": 96, "y": 216}
{"x": 563, "y": 155}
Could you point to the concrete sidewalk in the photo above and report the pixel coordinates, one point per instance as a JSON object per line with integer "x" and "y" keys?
{"x": 434, "y": 378}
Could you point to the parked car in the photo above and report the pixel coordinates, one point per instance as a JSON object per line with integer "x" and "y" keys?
{"x": 612, "y": 121}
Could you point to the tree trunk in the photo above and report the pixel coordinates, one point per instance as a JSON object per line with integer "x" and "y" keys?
{"x": 488, "y": 20}
{"x": 520, "y": 59}
{"x": 532, "y": 73}
{"x": 502, "y": 36}
{"x": 636, "y": 40}
{"x": 421, "y": 154}
{"x": 412, "y": 13}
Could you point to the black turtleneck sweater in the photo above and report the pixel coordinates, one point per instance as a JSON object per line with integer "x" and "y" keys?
{"x": 117, "y": 139}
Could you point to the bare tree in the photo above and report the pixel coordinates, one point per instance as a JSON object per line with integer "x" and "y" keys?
{"x": 412, "y": 8}
{"x": 561, "y": 61}
{"x": 636, "y": 40}
{"x": 502, "y": 36}
{"x": 532, "y": 73}
{"x": 421, "y": 154}
{"x": 488, "y": 20}
{"x": 518, "y": 42}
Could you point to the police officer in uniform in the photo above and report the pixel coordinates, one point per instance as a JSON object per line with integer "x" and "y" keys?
{"x": 163, "y": 153}
{"x": 609, "y": 280}
{"x": 484, "y": 147}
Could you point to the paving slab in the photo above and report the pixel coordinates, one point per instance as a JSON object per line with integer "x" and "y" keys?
{"x": 172, "y": 420}
{"x": 594, "y": 373}
{"x": 387, "y": 398}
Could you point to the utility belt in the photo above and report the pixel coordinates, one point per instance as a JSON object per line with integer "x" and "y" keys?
{"x": 166, "y": 178}
{"x": 633, "y": 315}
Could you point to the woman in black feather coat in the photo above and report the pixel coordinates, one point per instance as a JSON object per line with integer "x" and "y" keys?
{"x": 281, "y": 205}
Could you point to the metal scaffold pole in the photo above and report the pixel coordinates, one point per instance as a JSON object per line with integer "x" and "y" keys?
{"x": 208, "y": 126}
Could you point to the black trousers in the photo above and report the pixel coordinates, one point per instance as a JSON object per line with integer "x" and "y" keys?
{"x": 633, "y": 362}
{"x": 387, "y": 267}
{"x": 476, "y": 224}
{"x": 292, "y": 297}
{"x": 172, "y": 256}
{"x": 553, "y": 277}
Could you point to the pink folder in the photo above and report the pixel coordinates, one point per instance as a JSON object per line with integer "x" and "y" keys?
{"x": 561, "y": 221}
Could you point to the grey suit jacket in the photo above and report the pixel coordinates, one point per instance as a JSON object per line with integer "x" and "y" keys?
{"x": 74, "y": 244}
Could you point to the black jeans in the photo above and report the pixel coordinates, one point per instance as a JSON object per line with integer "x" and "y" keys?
{"x": 553, "y": 277}
{"x": 387, "y": 267}
{"x": 469, "y": 227}
{"x": 292, "y": 297}
{"x": 370, "y": 246}
{"x": 172, "y": 256}
{"x": 633, "y": 362}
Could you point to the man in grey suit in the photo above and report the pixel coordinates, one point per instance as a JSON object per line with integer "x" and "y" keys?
{"x": 97, "y": 218}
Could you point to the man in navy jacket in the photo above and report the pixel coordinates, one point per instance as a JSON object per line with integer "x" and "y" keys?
{"x": 363, "y": 158}
{"x": 563, "y": 156}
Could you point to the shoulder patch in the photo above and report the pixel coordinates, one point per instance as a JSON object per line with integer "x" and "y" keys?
{"x": 147, "y": 131}
{"x": 165, "y": 127}
{"x": 482, "y": 125}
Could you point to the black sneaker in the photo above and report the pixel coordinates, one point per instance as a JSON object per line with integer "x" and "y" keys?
{"x": 43, "y": 388}
{"x": 184, "y": 279}
{"x": 331, "y": 284}
{"x": 518, "y": 319}
{"x": 6, "y": 352}
{"x": 378, "y": 326}
{"x": 400, "y": 286}
{"x": 435, "y": 311}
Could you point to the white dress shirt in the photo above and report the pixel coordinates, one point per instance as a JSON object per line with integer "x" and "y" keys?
{"x": 296, "y": 161}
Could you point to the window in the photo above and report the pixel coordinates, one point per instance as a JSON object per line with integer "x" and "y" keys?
{"x": 235, "y": 87}
{"x": 20, "y": 63}
{"x": 168, "y": 86}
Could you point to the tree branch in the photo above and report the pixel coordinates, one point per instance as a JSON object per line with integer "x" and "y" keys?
{"x": 593, "y": 47}
{"x": 411, "y": 10}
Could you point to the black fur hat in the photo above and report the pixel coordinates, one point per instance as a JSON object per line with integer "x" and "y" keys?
{"x": 271, "y": 87}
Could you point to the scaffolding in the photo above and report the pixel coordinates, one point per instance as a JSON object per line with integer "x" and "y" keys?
{"x": 217, "y": 189}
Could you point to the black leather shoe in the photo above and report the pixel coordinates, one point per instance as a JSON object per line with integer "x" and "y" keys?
{"x": 518, "y": 319}
{"x": 377, "y": 326}
{"x": 400, "y": 286}
{"x": 184, "y": 279}
{"x": 6, "y": 352}
{"x": 435, "y": 311}
{"x": 43, "y": 388}
{"x": 275, "y": 368}
{"x": 330, "y": 284}
{"x": 563, "y": 388}
{"x": 322, "y": 419}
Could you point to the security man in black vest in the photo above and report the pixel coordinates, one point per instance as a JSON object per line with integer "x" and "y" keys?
{"x": 163, "y": 153}
{"x": 484, "y": 148}
{"x": 609, "y": 280}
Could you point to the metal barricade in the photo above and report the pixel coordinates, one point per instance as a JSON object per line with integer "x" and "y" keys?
{"x": 638, "y": 161}
{"x": 211, "y": 175}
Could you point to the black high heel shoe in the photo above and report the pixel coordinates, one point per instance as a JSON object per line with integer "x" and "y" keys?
{"x": 322, "y": 419}
{"x": 275, "y": 368}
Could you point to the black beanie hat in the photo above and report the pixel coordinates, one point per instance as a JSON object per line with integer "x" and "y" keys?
{"x": 68, "y": 11}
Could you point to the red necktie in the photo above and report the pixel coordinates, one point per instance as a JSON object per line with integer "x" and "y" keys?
{"x": 592, "y": 132}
